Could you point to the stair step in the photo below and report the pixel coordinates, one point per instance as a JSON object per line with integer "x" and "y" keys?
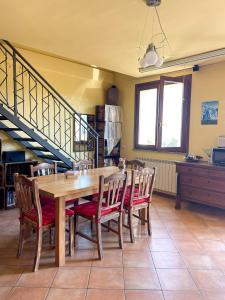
{"x": 37, "y": 149}
{"x": 23, "y": 139}
{"x": 3, "y": 118}
{"x": 51, "y": 157}
{"x": 10, "y": 129}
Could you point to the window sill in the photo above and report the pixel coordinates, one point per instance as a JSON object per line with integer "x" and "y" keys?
{"x": 159, "y": 151}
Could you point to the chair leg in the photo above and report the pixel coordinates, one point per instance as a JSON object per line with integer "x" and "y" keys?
{"x": 38, "y": 249}
{"x": 50, "y": 236}
{"x": 108, "y": 226}
{"x": 149, "y": 221}
{"x": 21, "y": 238}
{"x": 120, "y": 230}
{"x": 71, "y": 236}
{"x": 75, "y": 228}
{"x": 99, "y": 239}
{"x": 131, "y": 228}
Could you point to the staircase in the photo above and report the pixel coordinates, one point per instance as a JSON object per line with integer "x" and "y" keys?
{"x": 34, "y": 114}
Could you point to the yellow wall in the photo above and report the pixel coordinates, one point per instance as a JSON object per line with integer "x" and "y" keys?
{"x": 208, "y": 84}
{"x": 82, "y": 86}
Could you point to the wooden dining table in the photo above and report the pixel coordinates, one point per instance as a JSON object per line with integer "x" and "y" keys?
{"x": 63, "y": 188}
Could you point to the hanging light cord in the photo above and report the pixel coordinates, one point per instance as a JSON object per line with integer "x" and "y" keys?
{"x": 160, "y": 24}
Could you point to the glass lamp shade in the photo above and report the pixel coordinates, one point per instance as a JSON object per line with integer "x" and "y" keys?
{"x": 159, "y": 62}
{"x": 151, "y": 57}
{"x": 143, "y": 63}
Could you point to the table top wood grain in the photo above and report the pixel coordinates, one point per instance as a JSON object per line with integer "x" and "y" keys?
{"x": 79, "y": 184}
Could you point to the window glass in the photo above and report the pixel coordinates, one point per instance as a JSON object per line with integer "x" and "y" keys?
{"x": 172, "y": 115}
{"x": 147, "y": 117}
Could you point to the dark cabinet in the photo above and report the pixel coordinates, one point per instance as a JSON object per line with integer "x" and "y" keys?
{"x": 200, "y": 182}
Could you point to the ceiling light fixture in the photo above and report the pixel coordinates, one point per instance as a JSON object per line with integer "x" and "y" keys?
{"x": 151, "y": 56}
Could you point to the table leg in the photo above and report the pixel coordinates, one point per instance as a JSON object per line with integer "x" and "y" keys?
{"x": 60, "y": 232}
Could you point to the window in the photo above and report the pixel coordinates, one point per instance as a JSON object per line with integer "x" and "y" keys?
{"x": 162, "y": 112}
{"x": 81, "y": 129}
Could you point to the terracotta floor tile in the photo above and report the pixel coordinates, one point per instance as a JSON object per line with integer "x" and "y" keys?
{"x": 182, "y": 236}
{"x": 159, "y": 233}
{"x": 219, "y": 259}
{"x": 180, "y": 295}
{"x": 214, "y": 295}
{"x": 111, "y": 258}
{"x": 168, "y": 260}
{"x": 71, "y": 278}
{"x": 143, "y": 295}
{"x": 213, "y": 246}
{"x": 210, "y": 280}
{"x": 106, "y": 278}
{"x": 42, "y": 278}
{"x": 198, "y": 261}
{"x": 138, "y": 245}
{"x": 9, "y": 275}
{"x": 22, "y": 293}
{"x": 176, "y": 279}
{"x": 162, "y": 245}
{"x": 105, "y": 294}
{"x": 194, "y": 234}
{"x": 189, "y": 246}
{"x": 68, "y": 294}
{"x": 141, "y": 278}
{"x": 81, "y": 258}
{"x": 137, "y": 259}
{"x": 4, "y": 292}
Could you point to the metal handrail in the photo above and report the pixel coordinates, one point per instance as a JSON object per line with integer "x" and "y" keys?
{"x": 62, "y": 135}
{"x": 47, "y": 83}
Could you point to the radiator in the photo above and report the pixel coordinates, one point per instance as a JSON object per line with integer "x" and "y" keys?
{"x": 166, "y": 178}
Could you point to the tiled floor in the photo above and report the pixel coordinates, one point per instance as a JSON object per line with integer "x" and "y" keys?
{"x": 184, "y": 259}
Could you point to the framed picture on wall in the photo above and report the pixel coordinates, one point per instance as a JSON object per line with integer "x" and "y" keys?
{"x": 209, "y": 114}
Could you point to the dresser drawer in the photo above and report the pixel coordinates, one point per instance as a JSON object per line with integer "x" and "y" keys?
{"x": 206, "y": 183}
{"x": 199, "y": 171}
{"x": 202, "y": 196}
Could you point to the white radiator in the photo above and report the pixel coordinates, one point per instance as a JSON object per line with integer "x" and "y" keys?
{"x": 166, "y": 178}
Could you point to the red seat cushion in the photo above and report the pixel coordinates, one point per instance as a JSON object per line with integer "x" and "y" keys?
{"x": 134, "y": 202}
{"x": 89, "y": 209}
{"x": 48, "y": 216}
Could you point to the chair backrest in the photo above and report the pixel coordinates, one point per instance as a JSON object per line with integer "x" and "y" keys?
{"x": 135, "y": 164}
{"x": 112, "y": 191}
{"x": 27, "y": 195}
{"x": 43, "y": 169}
{"x": 142, "y": 182}
{"x": 83, "y": 165}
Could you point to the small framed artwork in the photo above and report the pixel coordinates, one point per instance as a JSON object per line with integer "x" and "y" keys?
{"x": 209, "y": 112}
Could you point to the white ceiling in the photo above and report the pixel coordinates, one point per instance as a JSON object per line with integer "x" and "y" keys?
{"x": 107, "y": 33}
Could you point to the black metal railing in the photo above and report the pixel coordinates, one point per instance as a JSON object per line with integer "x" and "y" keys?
{"x": 28, "y": 95}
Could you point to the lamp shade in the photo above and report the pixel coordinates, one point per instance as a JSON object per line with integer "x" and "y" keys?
{"x": 143, "y": 63}
{"x": 159, "y": 62}
{"x": 151, "y": 57}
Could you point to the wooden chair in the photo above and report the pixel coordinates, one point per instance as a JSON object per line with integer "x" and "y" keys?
{"x": 138, "y": 197}
{"x": 44, "y": 169}
{"x": 135, "y": 164}
{"x": 108, "y": 206}
{"x": 27, "y": 199}
{"x": 83, "y": 165}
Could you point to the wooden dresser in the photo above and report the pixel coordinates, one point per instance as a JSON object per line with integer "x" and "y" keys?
{"x": 200, "y": 182}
